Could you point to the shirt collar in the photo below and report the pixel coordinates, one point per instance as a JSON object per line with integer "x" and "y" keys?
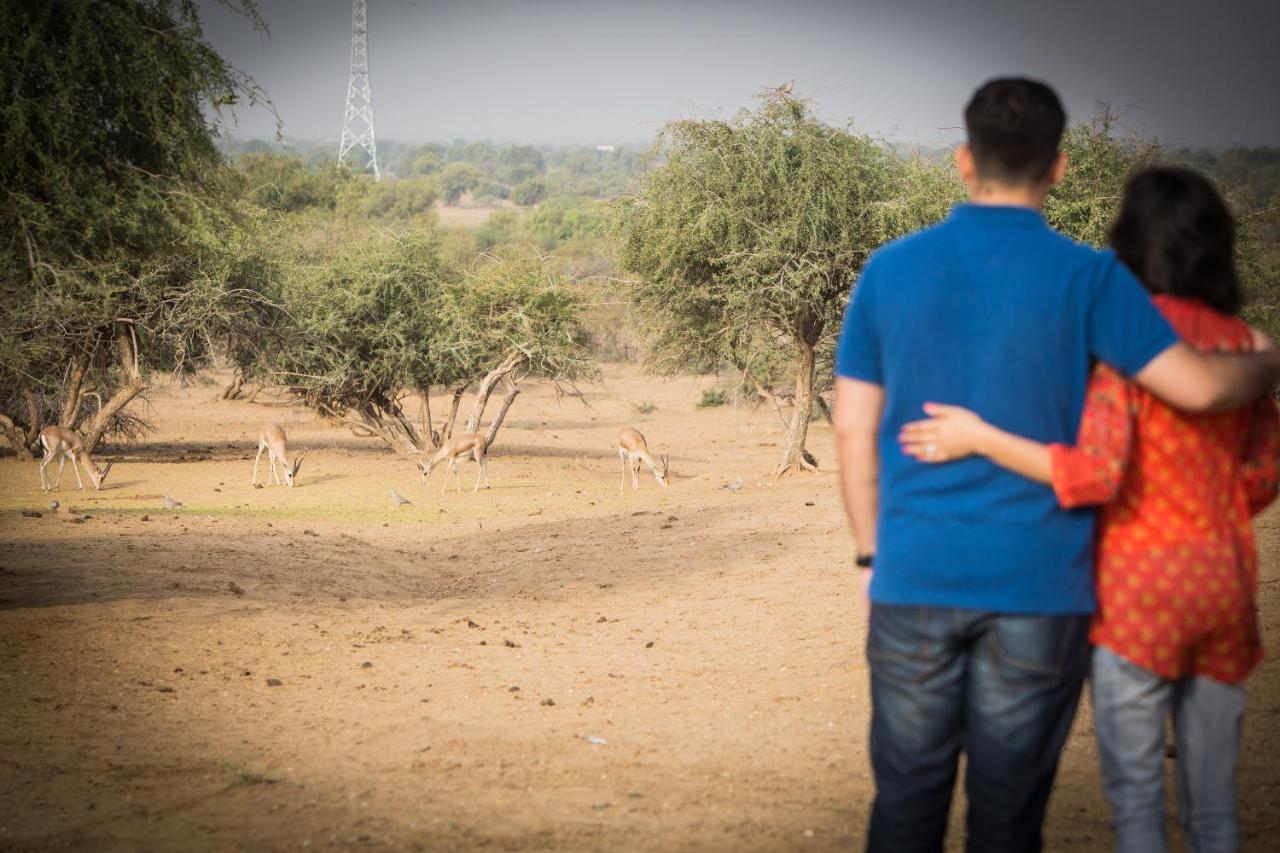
{"x": 997, "y": 213}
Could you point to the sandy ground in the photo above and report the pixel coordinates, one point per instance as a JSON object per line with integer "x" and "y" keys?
{"x": 546, "y": 664}
{"x": 466, "y": 216}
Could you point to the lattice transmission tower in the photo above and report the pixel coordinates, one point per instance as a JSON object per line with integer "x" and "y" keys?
{"x": 357, "y": 121}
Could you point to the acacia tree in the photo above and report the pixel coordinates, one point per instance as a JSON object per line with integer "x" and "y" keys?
{"x": 512, "y": 315}
{"x": 748, "y": 236}
{"x": 113, "y": 233}
{"x": 384, "y": 317}
{"x": 1099, "y": 163}
{"x": 356, "y": 332}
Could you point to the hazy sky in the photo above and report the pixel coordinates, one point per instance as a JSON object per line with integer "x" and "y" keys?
{"x": 1195, "y": 73}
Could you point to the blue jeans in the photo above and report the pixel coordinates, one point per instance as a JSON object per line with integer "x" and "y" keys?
{"x": 1130, "y": 706}
{"x": 1001, "y": 687}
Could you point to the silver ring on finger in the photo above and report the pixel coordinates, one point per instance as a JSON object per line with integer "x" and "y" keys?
{"x": 931, "y": 450}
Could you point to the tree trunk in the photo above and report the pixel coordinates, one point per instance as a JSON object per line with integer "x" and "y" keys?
{"x": 510, "y": 363}
{"x": 16, "y": 436}
{"x": 453, "y": 411}
{"x": 406, "y": 434}
{"x": 70, "y": 415}
{"x": 794, "y": 454}
{"x": 234, "y": 389}
{"x": 825, "y": 408}
{"x": 382, "y": 419}
{"x": 482, "y": 400}
{"x": 411, "y": 436}
{"x": 428, "y": 427}
{"x": 512, "y": 392}
{"x": 33, "y": 416}
{"x": 127, "y": 356}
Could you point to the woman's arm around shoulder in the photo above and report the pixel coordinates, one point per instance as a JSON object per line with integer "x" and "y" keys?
{"x": 1089, "y": 472}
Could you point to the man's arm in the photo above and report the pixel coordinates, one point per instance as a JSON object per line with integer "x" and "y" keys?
{"x": 856, "y": 420}
{"x": 1210, "y": 382}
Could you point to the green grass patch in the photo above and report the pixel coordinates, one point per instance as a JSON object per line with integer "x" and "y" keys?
{"x": 713, "y": 397}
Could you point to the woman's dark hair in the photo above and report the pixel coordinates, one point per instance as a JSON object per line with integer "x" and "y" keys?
{"x": 1178, "y": 236}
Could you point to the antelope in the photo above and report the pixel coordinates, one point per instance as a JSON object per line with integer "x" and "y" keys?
{"x": 469, "y": 444}
{"x": 272, "y": 439}
{"x": 62, "y": 443}
{"x": 633, "y": 450}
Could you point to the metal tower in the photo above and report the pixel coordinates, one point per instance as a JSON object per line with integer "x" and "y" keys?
{"x": 357, "y": 122}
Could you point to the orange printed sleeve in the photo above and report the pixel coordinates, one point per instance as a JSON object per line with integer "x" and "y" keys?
{"x": 1092, "y": 470}
{"x": 1261, "y": 456}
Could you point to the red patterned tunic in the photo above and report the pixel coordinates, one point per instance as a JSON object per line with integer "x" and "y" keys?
{"x": 1177, "y": 567}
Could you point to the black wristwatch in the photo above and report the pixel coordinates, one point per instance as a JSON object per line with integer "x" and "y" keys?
{"x": 864, "y": 561}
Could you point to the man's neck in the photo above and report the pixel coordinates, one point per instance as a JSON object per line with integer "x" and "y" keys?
{"x": 1006, "y": 196}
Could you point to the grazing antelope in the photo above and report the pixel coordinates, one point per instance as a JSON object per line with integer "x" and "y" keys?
{"x": 65, "y": 444}
{"x": 469, "y": 444}
{"x": 272, "y": 439}
{"x": 633, "y": 450}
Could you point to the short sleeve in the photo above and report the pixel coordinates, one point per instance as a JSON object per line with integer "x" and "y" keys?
{"x": 1125, "y": 330}
{"x": 858, "y": 351}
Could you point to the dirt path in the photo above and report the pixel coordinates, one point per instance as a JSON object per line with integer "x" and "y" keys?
{"x": 547, "y": 664}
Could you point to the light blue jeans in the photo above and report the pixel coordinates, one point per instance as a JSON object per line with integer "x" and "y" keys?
{"x": 1130, "y": 706}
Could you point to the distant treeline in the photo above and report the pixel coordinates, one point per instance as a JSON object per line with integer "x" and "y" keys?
{"x": 528, "y": 174}
{"x": 491, "y": 173}
{"x": 1251, "y": 174}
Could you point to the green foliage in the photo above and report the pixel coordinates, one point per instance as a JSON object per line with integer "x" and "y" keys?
{"x": 562, "y": 220}
{"x": 1253, "y": 174}
{"x": 491, "y": 192}
{"x": 502, "y": 226}
{"x": 284, "y": 183}
{"x": 755, "y": 228}
{"x": 513, "y": 305}
{"x": 645, "y": 407}
{"x": 529, "y": 192}
{"x": 518, "y": 164}
{"x": 457, "y": 179}
{"x": 385, "y": 314}
{"x": 568, "y": 171}
{"x": 426, "y": 162}
{"x": 712, "y": 398}
{"x": 361, "y": 324}
{"x": 116, "y": 223}
{"x": 1099, "y": 162}
{"x": 399, "y": 199}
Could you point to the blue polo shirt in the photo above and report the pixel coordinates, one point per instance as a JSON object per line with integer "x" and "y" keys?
{"x": 992, "y": 310}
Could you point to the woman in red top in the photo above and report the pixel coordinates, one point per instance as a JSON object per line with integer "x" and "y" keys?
{"x": 1176, "y": 631}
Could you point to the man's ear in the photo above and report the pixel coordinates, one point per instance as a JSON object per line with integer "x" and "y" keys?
{"x": 964, "y": 163}
{"x": 1059, "y": 168}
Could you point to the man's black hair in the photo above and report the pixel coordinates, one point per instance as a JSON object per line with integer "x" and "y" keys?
{"x": 1015, "y": 126}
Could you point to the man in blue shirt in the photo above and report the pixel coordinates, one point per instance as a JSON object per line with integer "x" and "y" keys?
{"x": 982, "y": 587}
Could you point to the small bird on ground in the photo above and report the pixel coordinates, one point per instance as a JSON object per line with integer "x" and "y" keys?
{"x": 67, "y": 513}
{"x": 170, "y": 503}
{"x": 735, "y": 486}
{"x": 400, "y": 499}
